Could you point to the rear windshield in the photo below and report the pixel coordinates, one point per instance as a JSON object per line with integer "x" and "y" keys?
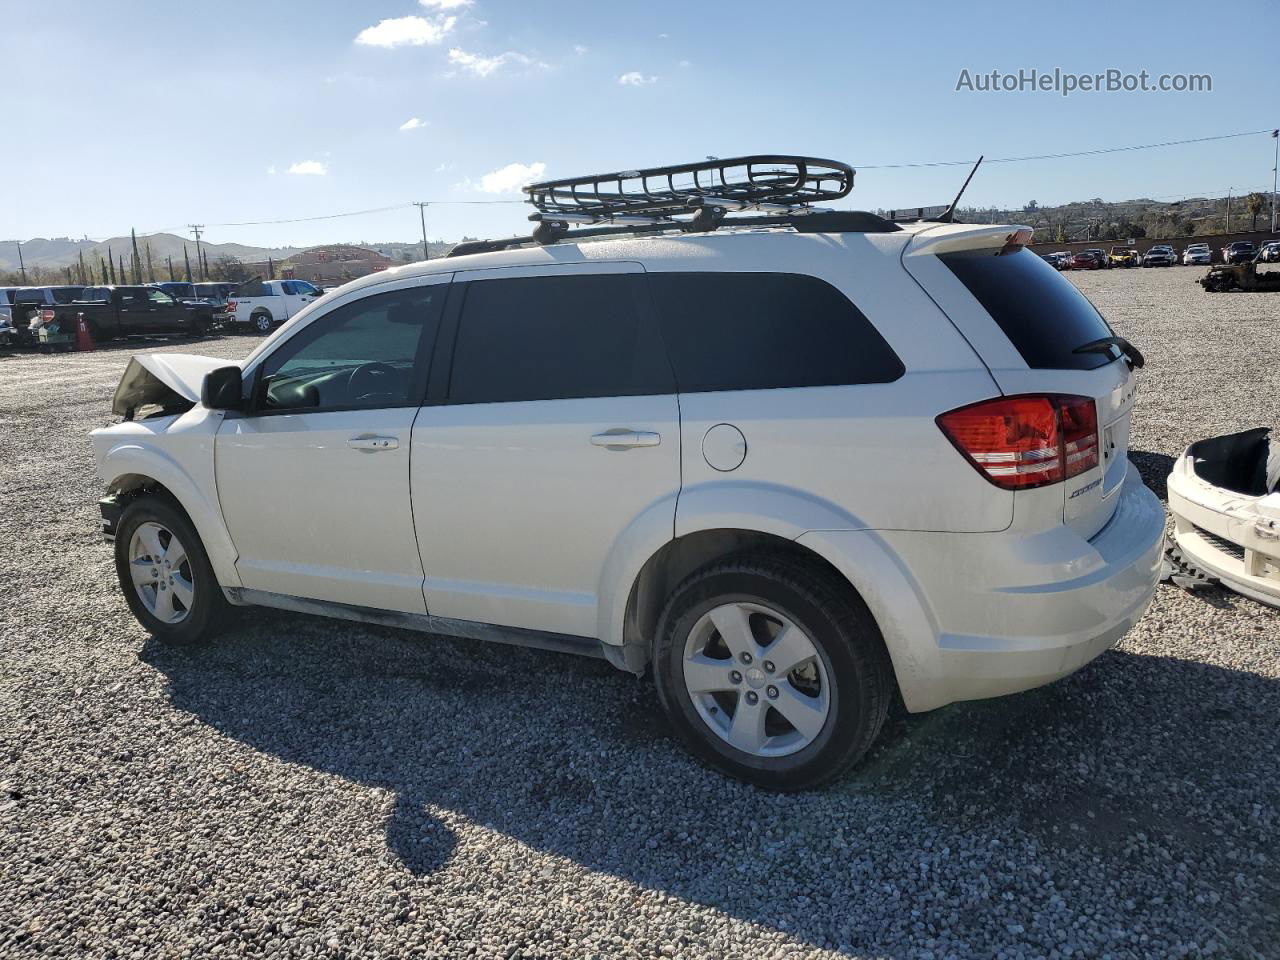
{"x": 1041, "y": 312}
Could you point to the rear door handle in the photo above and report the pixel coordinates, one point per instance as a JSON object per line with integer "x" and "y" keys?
{"x": 619, "y": 439}
{"x": 373, "y": 444}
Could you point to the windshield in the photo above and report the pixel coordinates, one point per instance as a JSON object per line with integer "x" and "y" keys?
{"x": 1041, "y": 312}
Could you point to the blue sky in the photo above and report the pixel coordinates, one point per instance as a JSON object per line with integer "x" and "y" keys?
{"x": 155, "y": 114}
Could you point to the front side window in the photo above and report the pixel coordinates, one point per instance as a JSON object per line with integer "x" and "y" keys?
{"x": 556, "y": 338}
{"x": 159, "y": 298}
{"x": 763, "y": 331}
{"x": 365, "y": 354}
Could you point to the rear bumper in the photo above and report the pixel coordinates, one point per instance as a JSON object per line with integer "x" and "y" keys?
{"x": 1006, "y": 612}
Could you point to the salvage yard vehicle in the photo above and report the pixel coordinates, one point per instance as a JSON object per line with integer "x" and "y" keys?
{"x": 1242, "y": 251}
{"x": 748, "y": 453}
{"x": 1224, "y": 277}
{"x": 1270, "y": 252}
{"x": 1161, "y": 255}
{"x": 30, "y": 302}
{"x": 1197, "y": 254}
{"x": 7, "y": 335}
{"x": 263, "y": 304}
{"x": 1088, "y": 260}
{"x": 1123, "y": 257}
{"x": 122, "y": 311}
{"x": 1224, "y": 494}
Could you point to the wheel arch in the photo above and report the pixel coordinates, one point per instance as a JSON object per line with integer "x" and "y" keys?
{"x": 137, "y": 471}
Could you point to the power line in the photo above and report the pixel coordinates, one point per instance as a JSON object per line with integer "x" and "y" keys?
{"x": 1061, "y": 156}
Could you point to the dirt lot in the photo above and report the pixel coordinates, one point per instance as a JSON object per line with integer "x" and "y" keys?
{"x": 311, "y": 788}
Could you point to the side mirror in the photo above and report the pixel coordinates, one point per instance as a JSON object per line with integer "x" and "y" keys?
{"x": 223, "y": 389}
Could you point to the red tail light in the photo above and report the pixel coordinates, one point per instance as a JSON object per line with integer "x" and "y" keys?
{"x": 230, "y": 307}
{"x": 1027, "y": 441}
{"x": 46, "y": 315}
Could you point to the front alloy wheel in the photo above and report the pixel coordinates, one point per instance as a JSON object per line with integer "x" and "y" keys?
{"x": 161, "y": 573}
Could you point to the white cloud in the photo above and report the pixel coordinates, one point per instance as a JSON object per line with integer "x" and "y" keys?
{"x": 402, "y": 31}
{"x": 413, "y": 123}
{"x": 636, "y": 79}
{"x": 445, "y": 4}
{"x": 483, "y": 66}
{"x": 684, "y": 63}
{"x": 271, "y": 171}
{"x": 310, "y": 168}
{"x": 511, "y": 177}
{"x": 579, "y": 49}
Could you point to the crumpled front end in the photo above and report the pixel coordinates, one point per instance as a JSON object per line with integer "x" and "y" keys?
{"x": 1224, "y": 494}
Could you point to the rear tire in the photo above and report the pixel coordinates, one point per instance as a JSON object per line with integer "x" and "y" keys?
{"x": 165, "y": 573}
{"x": 714, "y": 655}
{"x": 261, "y": 323}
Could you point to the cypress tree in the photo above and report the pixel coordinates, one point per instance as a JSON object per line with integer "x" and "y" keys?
{"x": 111, "y": 263}
{"x": 187, "y": 260}
{"x": 103, "y": 264}
{"x": 137, "y": 260}
{"x": 80, "y": 254}
{"x": 171, "y": 276}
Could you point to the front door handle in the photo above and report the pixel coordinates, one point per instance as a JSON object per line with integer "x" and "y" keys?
{"x": 373, "y": 444}
{"x": 621, "y": 439}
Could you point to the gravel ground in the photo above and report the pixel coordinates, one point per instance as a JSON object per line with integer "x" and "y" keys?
{"x": 315, "y": 788}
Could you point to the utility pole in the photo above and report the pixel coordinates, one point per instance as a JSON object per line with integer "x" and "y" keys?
{"x": 422, "y": 216}
{"x": 195, "y": 230}
{"x": 1275, "y": 135}
{"x": 22, "y": 267}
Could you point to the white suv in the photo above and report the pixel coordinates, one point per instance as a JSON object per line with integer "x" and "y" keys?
{"x": 794, "y": 472}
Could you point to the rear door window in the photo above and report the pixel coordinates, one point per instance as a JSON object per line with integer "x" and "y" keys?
{"x": 761, "y": 331}
{"x": 1041, "y": 312}
{"x": 556, "y": 338}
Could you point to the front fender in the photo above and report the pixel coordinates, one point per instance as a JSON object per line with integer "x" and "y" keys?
{"x": 131, "y": 450}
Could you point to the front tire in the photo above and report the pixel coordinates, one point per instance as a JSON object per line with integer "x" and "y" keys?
{"x": 165, "y": 573}
{"x": 772, "y": 670}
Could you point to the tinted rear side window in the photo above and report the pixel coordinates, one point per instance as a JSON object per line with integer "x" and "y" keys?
{"x": 1041, "y": 312}
{"x": 760, "y": 331}
{"x": 551, "y": 338}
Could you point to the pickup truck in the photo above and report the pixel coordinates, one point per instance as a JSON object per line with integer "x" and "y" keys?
{"x": 265, "y": 303}
{"x": 119, "y": 311}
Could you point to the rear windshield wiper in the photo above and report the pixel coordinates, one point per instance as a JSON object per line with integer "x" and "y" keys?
{"x": 1104, "y": 344}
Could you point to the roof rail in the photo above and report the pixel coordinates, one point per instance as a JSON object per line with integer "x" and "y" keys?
{"x": 692, "y": 198}
{"x": 827, "y": 221}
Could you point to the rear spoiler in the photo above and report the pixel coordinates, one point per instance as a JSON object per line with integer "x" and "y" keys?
{"x": 953, "y": 239}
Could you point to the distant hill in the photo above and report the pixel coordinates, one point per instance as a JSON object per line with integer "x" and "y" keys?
{"x": 63, "y": 251}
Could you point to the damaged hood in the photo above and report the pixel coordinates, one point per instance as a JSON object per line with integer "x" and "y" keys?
{"x": 164, "y": 380}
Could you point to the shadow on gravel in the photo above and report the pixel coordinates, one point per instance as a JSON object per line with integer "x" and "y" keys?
{"x": 1133, "y": 766}
{"x": 1154, "y": 469}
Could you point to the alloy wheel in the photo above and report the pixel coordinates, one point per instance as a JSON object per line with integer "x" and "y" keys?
{"x": 161, "y": 573}
{"x": 757, "y": 679}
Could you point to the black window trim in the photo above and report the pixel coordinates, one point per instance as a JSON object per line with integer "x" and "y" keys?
{"x": 422, "y": 376}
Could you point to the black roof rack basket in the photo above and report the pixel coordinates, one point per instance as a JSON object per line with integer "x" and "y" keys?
{"x": 780, "y": 189}
{"x": 762, "y": 182}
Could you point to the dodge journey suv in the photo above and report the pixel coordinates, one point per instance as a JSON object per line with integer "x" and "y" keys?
{"x": 794, "y": 473}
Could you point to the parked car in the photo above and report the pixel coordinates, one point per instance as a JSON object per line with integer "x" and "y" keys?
{"x": 262, "y": 304}
{"x": 1160, "y": 255}
{"x": 1123, "y": 257}
{"x": 1270, "y": 252}
{"x": 28, "y": 302}
{"x": 121, "y": 311}
{"x": 757, "y": 471}
{"x": 1239, "y": 252}
{"x": 1197, "y": 254}
{"x": 1101, "y": 256}
{"x": 1088, "y": 260}
{"x": 7, "y": 335}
